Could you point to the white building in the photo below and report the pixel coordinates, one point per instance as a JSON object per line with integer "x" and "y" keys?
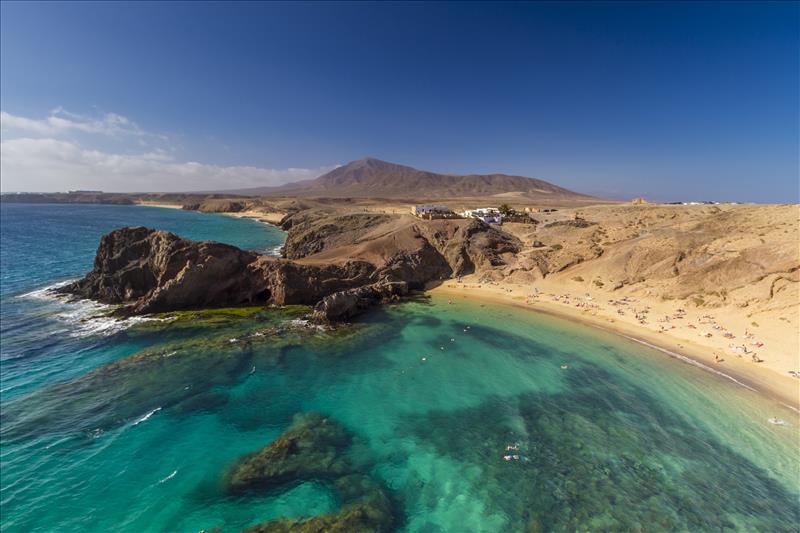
{"x": 419, "y": 210}
{"x": 489, "y": 215}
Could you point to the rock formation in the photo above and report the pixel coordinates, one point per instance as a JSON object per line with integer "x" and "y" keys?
{"x": 348, "y": 303}
{"x": 311, "y": 449}
{"x": 315, "y": 448}
{"x": 342, "y": 265}
{"x": 158, "y": 271}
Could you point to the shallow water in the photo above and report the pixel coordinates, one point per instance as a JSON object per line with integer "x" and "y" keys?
{"x": 135, "y": 429}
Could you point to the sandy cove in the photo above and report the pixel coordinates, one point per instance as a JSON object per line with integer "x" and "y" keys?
{"x": 778, "y": 354}
{"x": 159, "y": 204}
{"x": 268, "y": 218}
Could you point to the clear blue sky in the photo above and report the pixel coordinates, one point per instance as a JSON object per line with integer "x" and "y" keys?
{"x": 668, "y": 100}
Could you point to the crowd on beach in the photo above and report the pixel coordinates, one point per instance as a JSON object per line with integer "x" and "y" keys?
{"x": 705, "y": 326}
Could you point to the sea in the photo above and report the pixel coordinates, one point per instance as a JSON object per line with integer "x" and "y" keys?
{"x": 471, "y": 417}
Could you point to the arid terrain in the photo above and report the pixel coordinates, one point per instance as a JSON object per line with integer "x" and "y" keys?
{"x": 720, "y": 282}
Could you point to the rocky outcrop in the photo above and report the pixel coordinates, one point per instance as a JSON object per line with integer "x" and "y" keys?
{"x": 351, "y": 302}
{"x": 154, "y": 271}
{"x": 363, "y": 259}
{"x": 290, "y": 282}
{"x": 314, "y": 232}
{"x": 151, "y": 271}
{"x": 469, "y": 245}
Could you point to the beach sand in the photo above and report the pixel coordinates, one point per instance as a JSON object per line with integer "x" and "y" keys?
{"x": 269, "y": 218}
{"x": 770, "y": 377}
{"x": 158, "y": 204}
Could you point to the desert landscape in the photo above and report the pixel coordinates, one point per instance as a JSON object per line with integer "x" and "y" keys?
{"x": 715, "y": 283}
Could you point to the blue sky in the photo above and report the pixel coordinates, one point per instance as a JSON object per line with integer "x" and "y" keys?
{"x": 668, "y": 100}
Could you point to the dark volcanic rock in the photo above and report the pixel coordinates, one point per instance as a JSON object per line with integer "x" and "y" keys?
{"x": 348, "y": 303}
{"x": 155, "y": 271}
{"x": 373, "y": 515}
{"x": 312, "y": 449}
{"x": 295, "y": 283}
{"x": 316, "y": 448}
{"x": 365, "y": 259}
{"x": 158, "y": 271}
{"x": 315, "y": 232}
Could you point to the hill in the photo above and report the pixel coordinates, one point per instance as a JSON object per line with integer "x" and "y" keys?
{"x": 373, "y": 178}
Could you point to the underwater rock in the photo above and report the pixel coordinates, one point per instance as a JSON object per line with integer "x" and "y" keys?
{"x": 370, "y": 515}
{"x": 312, "y": 448}
{"x": 316, "y": 448}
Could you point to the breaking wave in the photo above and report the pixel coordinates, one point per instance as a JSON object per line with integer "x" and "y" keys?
{"x": 83, "y": 318}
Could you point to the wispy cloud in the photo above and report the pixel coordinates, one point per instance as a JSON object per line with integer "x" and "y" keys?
{"x": 54, "y": 154}
{"x": 29, "y": 164}
{"x": 61, "y": 121}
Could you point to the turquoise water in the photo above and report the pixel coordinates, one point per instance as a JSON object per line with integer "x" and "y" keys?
{"x": 133, "y": 427}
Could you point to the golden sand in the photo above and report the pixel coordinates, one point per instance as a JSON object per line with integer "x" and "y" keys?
{"x": 770, "y": 376}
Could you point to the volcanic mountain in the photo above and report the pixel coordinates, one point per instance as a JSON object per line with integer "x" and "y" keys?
{"x": 373, "y": 178}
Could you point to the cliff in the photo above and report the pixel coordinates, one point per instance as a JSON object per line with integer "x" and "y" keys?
{"x": 146, "y": 270}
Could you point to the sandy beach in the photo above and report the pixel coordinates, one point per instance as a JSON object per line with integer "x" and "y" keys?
{"x": 679, "y": 334}
{"x": 269, "y": 218}
{"x": 159, "y": 204}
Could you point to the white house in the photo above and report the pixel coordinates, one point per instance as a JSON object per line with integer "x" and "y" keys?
{"x": 489, "y": 215}
{"x": 420, "y": 210}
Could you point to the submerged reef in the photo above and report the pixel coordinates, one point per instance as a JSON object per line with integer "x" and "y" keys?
{"x": 315, "y": 448}
{"x": 600, "y": 458}
{"x": 311, "y": 449}
{"x": 179, "y": 369}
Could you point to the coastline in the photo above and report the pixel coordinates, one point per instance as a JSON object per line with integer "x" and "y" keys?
{"x": 272, "y": 219}
{"x": 158, "y": 204}
{"x": 760, "y": 379}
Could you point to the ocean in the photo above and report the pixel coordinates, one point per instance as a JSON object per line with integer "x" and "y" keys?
{"x": 469, "y": 416}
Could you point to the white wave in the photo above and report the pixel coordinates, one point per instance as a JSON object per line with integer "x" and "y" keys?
{"x": 304, "y": 323}
{"x": 84, "y": 317}
{"x": 276, "y": 251}
{"x": 146, "y": 417}
{"x": 47, "y": 293}
{"x": 172, "y": 475}
{"x": 691, "y": 361}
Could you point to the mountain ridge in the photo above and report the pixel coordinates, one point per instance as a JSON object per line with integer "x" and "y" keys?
{"x": 373, "y": 178}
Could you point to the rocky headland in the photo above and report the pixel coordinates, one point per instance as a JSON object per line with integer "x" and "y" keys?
{"x": 339, "y": 264}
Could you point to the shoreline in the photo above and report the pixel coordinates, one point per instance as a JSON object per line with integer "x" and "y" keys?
{"x": 273, "y": 219}
{"x": 761, "y": 380}
{"x": 157, "y": 204}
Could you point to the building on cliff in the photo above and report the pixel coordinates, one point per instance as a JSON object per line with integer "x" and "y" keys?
{"x": 489, "y": 215}
{"x": 432, "y": 212}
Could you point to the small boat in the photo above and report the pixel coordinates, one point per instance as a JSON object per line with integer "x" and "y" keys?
{"x": 777, "y": 421}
